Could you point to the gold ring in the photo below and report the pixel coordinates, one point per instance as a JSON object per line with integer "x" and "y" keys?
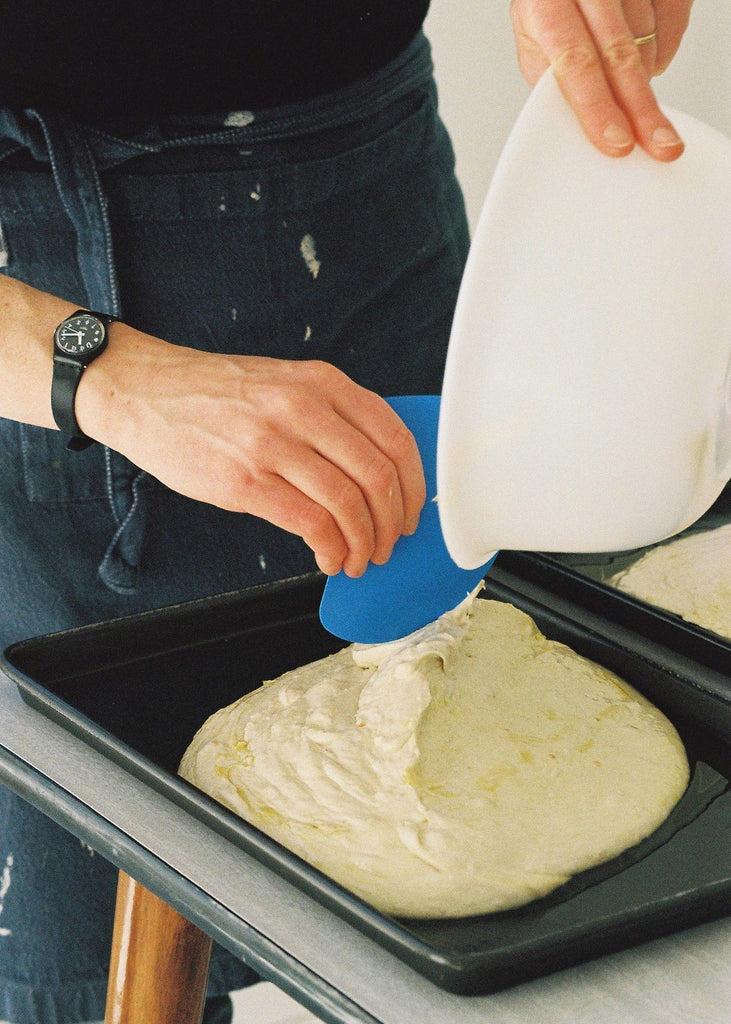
{"x": 645, "y": 39}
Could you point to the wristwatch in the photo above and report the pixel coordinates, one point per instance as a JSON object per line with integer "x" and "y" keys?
{"x": 77, "y": 341}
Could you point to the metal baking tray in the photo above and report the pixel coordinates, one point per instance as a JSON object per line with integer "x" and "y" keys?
{"x": 577, "y": 585}
{"x": 137, "y": 688}
{"x": 580, "y": 579}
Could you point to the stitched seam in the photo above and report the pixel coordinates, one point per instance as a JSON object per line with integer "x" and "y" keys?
{"x": 110, "y": 487}
{"x": 106, "y": 230}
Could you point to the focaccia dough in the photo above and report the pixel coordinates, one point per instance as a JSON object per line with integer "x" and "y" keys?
{"x": 690, "y": 576}
{"x": 470, "y": 768}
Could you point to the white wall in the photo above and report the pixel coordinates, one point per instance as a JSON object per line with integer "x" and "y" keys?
{"x": 481, "y": 89}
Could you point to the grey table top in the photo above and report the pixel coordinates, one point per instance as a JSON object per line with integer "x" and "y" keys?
{"x": 294, "y": 941}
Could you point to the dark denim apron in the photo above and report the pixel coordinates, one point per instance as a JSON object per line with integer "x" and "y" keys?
{"x": 333, "y": 230}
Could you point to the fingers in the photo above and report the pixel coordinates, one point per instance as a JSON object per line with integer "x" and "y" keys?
{"x": 397, "y": 463}
{"x": 364, "y": 468}
{"x": 641, "y": 26}
{"x": 602, "y": 71}
{"x": 331, "y": 513}
{"x": 282, "y": 504}
{"x": 351, "y": 509}
{"x": 671, "y": 21}
{"x": 627, "y": 76}
{"x": 332, "y": 462}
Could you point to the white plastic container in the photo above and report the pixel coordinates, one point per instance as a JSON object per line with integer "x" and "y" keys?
{"x": 587, "y": 396}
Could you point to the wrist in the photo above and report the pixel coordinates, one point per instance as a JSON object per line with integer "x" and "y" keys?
{"x": 78, "y": 341}
{"x": 111, "y": 404}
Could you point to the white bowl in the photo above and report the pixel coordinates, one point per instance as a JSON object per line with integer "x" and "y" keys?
{"x": 587, "y": 395}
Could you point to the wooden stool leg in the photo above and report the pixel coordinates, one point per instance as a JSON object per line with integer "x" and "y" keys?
{"x": 160, "y": 961}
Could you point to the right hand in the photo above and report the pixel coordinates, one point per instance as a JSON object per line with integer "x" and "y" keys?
{"x": 603, "y": 73}
{"x": 296, "y": 443}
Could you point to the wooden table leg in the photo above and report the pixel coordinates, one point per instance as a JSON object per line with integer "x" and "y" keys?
{"x": 160, "y": 961}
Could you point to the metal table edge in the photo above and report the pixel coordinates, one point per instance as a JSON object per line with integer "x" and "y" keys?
{"x": 268, "y": 958}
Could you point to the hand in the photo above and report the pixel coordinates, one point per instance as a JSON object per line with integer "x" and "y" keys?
{"x": 603, "y": 73}
{"x": 296, "y": 443}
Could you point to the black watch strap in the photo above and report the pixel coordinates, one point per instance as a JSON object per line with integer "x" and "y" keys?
{"x": 66, "y": 375}
{"x": 68, "y": 367}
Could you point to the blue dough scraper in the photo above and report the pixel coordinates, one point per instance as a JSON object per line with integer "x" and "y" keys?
{"x": 420, "y": 581}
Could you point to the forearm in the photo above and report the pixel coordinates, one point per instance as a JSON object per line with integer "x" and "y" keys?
{"x": 297, "y": 443}
{"x": 114, "y": 391}
{"x": 28, "y": 318}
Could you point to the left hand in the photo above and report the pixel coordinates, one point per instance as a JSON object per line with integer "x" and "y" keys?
{"x": 602, "y": 71}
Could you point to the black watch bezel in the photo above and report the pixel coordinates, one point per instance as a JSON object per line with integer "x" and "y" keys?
{"x": 68, "y": 366}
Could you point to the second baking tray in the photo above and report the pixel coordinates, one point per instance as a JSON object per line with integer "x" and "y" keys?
{"x": 138, "y": 688}
{"x": 686, "y": 652}
{"x": 580, "y": 580}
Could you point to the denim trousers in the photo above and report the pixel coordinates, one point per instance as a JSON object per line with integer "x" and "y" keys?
{"x": 332, "y": 229}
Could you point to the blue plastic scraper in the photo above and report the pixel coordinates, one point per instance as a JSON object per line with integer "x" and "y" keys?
{"x": 420, "y": 581}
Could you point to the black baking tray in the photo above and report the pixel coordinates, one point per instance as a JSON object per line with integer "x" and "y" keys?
{"x": 137, "y": 688}
{"x": 577, "y": 585}
{"x": 679, "y": 644}
{"x": 580, "y": 579}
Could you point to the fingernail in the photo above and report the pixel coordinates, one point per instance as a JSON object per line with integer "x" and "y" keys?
{"x": 665, "y": 137}
{"x": 411, "y": 526}
{"x": 382, "y": 559}
{"x": 617, "y": 136}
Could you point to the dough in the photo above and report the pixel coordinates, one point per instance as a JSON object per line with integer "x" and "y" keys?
{"x": 470, "y": 768}
{"x": 690, "y": 576}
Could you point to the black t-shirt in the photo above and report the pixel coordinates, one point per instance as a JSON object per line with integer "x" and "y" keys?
{"x": 100, "y": 59}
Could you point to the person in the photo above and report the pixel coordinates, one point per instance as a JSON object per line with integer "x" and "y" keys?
{"x": 263, "y": 198}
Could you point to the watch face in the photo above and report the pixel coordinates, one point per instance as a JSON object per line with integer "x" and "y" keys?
{"x": 80, "y": 335}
